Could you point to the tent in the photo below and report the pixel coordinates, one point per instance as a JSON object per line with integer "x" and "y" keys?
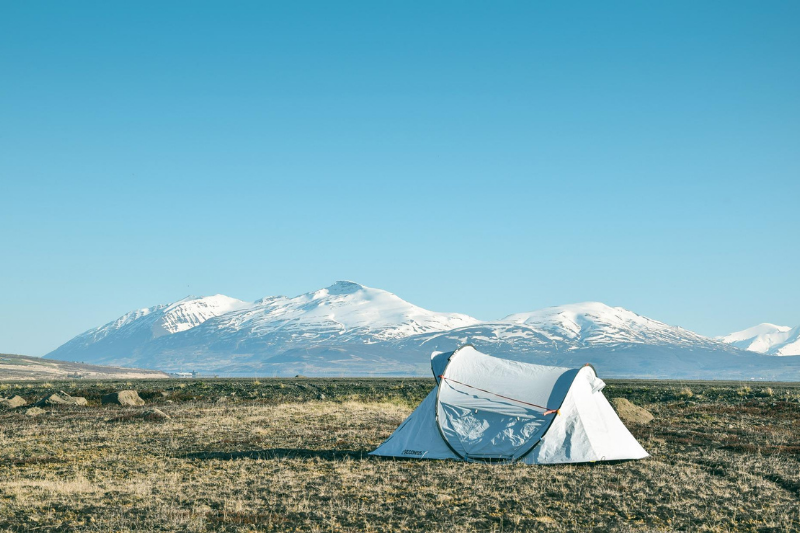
{"x": 486, "y": 408}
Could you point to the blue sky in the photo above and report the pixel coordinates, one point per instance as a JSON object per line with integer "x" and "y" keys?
{"x": 480, "y": 157}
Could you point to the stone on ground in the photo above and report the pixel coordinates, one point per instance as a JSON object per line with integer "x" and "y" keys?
{"x": 61, "y": 398}
{"x": 630, "y": 413}
{"x": 123, "y": 397}
{"x": 154, "y": 414}
{"x": 12, "y": 403}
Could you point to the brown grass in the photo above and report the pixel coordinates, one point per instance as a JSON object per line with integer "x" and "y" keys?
{"x": 274, "y": 458}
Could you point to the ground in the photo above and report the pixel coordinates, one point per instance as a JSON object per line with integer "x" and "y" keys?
{"x": 25, "y": 368}
{"x": 291, "y": 454}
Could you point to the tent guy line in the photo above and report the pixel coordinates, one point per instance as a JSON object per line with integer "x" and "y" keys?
{"x": 547, "y": 411}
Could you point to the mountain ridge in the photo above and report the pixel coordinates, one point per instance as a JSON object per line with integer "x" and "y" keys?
{"x": 767, "y": 339}
{"x": 351, "y": 329}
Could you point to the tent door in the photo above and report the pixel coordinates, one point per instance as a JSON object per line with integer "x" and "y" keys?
{"x": 483, "y": 434}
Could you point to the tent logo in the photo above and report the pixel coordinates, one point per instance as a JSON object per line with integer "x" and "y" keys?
{"x": 418, "y": 453}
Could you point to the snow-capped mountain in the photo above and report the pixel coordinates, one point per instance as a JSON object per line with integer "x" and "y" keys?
{"x": 350, "y": 329}
{"x": 767, "y": 339}
{"x": 116, "y": 340}
{"x": 618, "y": 342}
{"x": 345, "y": 312}
{"x": 567, "y": 328}
{"x": 791, "y": 346}
{"x": 593, "y": 324}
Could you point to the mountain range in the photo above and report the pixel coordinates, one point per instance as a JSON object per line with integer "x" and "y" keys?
{"x": 348, "y": 329}
{"x": 767, "y": 339}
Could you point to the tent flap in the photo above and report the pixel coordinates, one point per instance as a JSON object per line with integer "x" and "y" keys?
{"x": 418, "y": 437}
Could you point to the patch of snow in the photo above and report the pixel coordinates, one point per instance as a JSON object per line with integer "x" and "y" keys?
{"x": 765, "y": 338}
{"x": 596, "y": 323}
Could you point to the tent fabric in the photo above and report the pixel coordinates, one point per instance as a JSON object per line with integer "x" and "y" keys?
{"x": 487, "y": 408}
{"x": 418, "y": 437}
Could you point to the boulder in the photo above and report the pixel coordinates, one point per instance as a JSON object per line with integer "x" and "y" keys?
{"x": 154, "y": 414}
{"x": 630, "y": 413}
{"x": 123, "y": 397}
{"x": 35, "y": 411}
{"x": 60, "y": 398}
{"x": 12, "y": 403}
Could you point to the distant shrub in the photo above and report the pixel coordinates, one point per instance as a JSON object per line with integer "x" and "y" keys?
{"x": 766, "y": 392}
{"x": 744, "y": 391}
{"x": 685, "y": 392}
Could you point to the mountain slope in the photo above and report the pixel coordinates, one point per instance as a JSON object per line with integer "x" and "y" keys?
{"x": 596, "y": 324}
{"x": 343, "y": 313}
{"x": 23, "y": 368}
{"x": 349, "y": 329}
{"x": 113, "y": 342}
{"x": 618, "y": 342}
{"x": 344, "y": 310}
{"x": 790, "y": 345}
{"x": 767, "y": 339}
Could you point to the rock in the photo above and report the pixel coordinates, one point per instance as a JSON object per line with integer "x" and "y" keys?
{"x": 123, "y": 397}
{"x": 34, "y": 411}
{"x": 60, "y": 398}
{"x": 630, "y": 413}
{"x": 320, "y": 396}
{"x": 155, "y": 414}
{"x": 12, "y": 403}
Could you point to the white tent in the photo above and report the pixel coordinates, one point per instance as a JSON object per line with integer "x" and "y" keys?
{"x": 486, "y": 408}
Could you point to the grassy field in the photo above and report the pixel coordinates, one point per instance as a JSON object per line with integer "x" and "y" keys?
{"x": 291, "y": 454}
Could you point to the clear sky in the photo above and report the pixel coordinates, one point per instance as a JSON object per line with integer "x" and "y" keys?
{"x": 479, "y": 157}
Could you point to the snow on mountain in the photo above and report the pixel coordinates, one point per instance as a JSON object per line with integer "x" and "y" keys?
{"x": 115, "y": 340}
{"x": 350, "y": 329}
{"x": 597, "y": 324}
{"x": 767, "y": 339}
{"x": 191, "y": 312}
{"x": 617, "y": 341}
{"x": 573, "y": 327}
{"x": 345, "y": 310}
{"x": 791, "y": 346}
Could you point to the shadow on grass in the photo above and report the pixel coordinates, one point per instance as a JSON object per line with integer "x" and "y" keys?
{"x": 331, "y": 455}
{"x": 275, "y": 453}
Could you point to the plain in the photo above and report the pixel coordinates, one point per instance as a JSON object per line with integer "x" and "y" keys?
{"x": 291, "y": 454}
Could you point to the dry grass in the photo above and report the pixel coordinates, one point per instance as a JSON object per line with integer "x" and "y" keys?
{"x": 274, "y": 457}
{"x": 21, "y": 367}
